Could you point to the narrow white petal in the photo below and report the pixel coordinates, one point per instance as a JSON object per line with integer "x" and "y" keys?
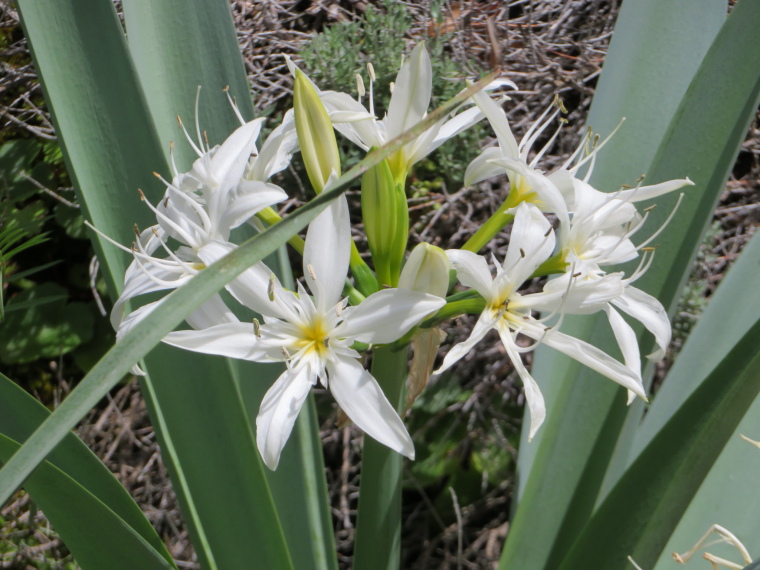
{"x": 137, "y": 282}
{"x": 531, "y": 242}
{"x": 650, "y": 313}
{"x": 583, "y": 297}
{"x": 472, "y": 271}
{"x": 252, "y": 197}
{"x": 484, "y": 324}
{"x": 481, "y": 167}
{"x": 592, "y": 357}
{"x": 411, "y": 95}
{"x": 231, "y": 159}
{"x": 233, "y": 340}
{"x": 533, "y": 395}
{"x": 251, "y": 288}
{"x": 648, "y": 192}
{"x": 278, "y": 412}
{"x": 387, "y": 315}
{"x": 628, "y": 343}
{"x": 360, "y": 396}
{"x": 498, "y": 119}
{"x": 212, "y": 312}
{"x": 277, "y": 150}
{"x": 326, "y": 253}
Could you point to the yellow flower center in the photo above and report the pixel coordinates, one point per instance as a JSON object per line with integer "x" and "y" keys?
{"x": 314, "y": 338}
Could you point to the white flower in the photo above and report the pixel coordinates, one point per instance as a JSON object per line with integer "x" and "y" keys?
{"x": 199, "y": 209}
{"x": 314, "y": 337}
{"x": 510, "y": 313}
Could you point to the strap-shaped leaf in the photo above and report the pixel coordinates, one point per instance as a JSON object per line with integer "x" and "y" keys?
{"x": 656, "y": 50}
{"x": 97, "y": 537}
{"x": 21, "y": 414}
{"x": 639, "y": 513}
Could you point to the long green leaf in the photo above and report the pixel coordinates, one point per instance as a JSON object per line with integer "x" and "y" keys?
{"x": 729, "y": 494}
{"x": 180, "y": 303}
{"x": 178, "y": 46}
{"x": 636, "y": 519}
{"x": 97, "y": 537}
{"x": 182, "y": 389}
{"x": 21, "y": 414}
{"x": 656, "y": 50}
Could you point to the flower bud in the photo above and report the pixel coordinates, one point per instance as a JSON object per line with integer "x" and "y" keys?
{"x": 379, "y": 213}
{"x": 316, "y": 137}
{"x": 426, "y": 271}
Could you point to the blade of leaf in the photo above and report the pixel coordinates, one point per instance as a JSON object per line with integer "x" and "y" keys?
{"x": 704, "y": 144}
{"x": 178, "y": 46}
{"x": 642, "y": 86}
{"x": 637, "y": 519}
{"x": 561, "y": 471}
{"x": 85, "y": 40}
{"x": 729, "y": 494}
{"x": 96, "y": 536}
{"x": 21, "y": 414}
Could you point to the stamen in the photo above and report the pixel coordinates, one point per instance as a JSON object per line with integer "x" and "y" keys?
{"x": 270, "y": 288}
{"x": 665, "y": 223}
{"x": 197, "y": 122}
{"x": 257, "y": 328}
{"x": 360, "y": 86}
{"x": 233, "y": 104}
{"x": 188, "y": 239}
{"x": 187, "y": 136}
{"x": 285, "y": 352}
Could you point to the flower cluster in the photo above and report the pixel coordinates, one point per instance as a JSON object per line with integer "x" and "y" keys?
{"x": 561, "y": 226}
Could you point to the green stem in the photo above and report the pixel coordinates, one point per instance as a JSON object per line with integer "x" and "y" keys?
{"x": 378, "y": 524}
{"x": 492, "y": 226}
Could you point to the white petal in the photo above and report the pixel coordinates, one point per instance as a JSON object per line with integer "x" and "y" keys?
{"x": 498, "y": 119}
{"x": 592, "y": 357}
{"x": 251, "y": 288}
{"x": 326, "y": 253}
{"x": 278, "y": 412}
{"x": 233, "y": 340}
{"x": 252, "y": 197}
{"x": 628, "y": 343}
{"x": 533, "y": 395}
{"x": 387, "y": 315}
{"x": 482, "y": 168}
{"x": 277, "y": 150}
{"x": 210, "y": 313}
{"x": 411, "y": 95}
{"x": 649, "y": 192}
{"x": 531, "y": 242}
{"x": 583, "y": 297}
{"x": 650, "y": 313}
{"x": 360, "y": 396}
{"x": 137, "y": 282}
{"x": 441, "y": 132}
{"x": 231, "y": 159}
{"x": 485, "y": 323}
{"x": 472, "y": 271}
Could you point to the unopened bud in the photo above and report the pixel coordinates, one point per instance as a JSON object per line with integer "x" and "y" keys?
{"x": 316, "y": 137}
{"x": 426, "y": 271}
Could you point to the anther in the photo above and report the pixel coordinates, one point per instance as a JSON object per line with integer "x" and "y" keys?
{"x": 522, "y": 252}
{"x": 648, "y": 248}
{"x": 179, "y": 122}
{"x": 339, "y": 309}
{"x": 548, "y": 232}
{"x": 285, "y": 352}
{"x": 226, "y": 89}
{"x": 257, "y": 328}
{"x": 327, "y": 342}
{"x": 650, "y": 208}
{"x": 577, "y": 274}
{"x": 270, "y": 288}
{"x": 371, "y": 71}
{"x": 136, "y": 229}
{"x": 142, "y": 196}
{"x": 391, "y": 87}
{"x": 310, "y": 268}
{"x": 360, "y": 86}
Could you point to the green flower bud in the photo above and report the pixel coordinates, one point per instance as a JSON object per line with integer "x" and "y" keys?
{"x": 316, "y": 137}
{"x": 426, "y": 271}
{"x": 379, "y": 212}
